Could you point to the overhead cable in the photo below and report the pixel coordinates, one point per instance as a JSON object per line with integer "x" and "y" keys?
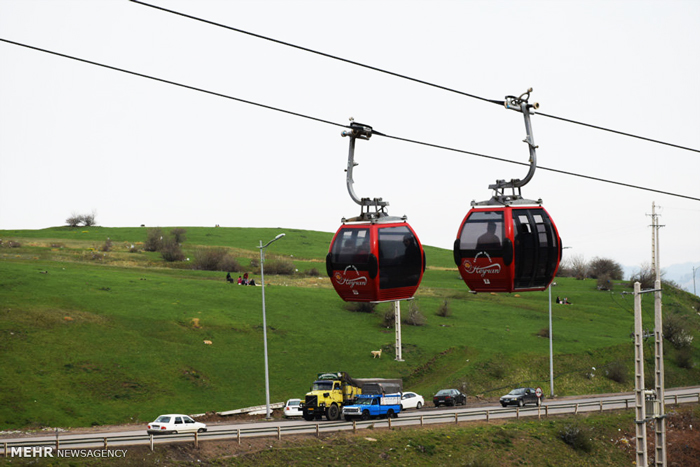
{"x": 328, "y": 122}
{"x": 398, "y": 75}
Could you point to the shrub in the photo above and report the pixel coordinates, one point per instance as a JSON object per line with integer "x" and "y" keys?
{"x": 576, "y": 437}
{"x": 605, "y": 282}
{"x": 107, "y": 245}
{"x": 444, "y": 310}
{"x": 179, "y": 234}
{"x": 154, "y": 239}
{"x": 684, "y": 358}
{"x": 600, "y": 267}
{"x": 389, "y": 318}
{"x": 675, "y": 332}
{"x": 209, "y": 259}
{"x": 170, "y": 251}
{"x": 414, "y": 317}
{"x": 617, "y": 371}
{"x": 313, "y": 272}
{"x": 544, "y": 332}
{"x": 230, "y": 264}
{"x": 279, "y": 266}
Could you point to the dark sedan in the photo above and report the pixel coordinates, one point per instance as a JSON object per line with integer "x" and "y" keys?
{"x": 449, "y": 397}
{"x": 520, "y": 397}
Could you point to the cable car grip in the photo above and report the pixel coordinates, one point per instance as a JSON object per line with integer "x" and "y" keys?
{"x": 519, "y": 104}
{"x": 361, "y": 131}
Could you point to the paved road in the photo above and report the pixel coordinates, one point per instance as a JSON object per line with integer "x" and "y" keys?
{"x": 424, "y": 416}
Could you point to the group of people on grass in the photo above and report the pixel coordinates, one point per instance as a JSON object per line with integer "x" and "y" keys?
{"x": 241, "y": 280}
{"x": 564, "y": 301}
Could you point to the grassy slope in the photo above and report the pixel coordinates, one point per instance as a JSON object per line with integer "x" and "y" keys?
{"x": 118, "y": 337}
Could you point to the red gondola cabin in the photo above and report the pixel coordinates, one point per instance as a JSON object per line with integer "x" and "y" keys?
{"x": 375, "y": 261}
{"x": 507, "y": 249}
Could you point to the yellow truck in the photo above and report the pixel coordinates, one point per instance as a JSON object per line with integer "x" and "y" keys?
{"x": 332, "y": 391}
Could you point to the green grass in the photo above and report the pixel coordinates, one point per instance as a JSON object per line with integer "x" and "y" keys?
{"x": 114, "y": 337}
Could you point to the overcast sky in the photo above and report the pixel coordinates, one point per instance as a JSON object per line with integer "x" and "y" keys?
{"x": 77, "y": 138}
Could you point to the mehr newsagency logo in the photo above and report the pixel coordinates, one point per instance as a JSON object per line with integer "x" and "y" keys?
{"x": 51, "y": 452}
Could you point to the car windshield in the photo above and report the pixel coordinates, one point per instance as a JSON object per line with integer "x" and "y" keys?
{"x": 364, "y": 401}
{"x": 163, "y": 419}
{"x": 293, "y": 403}
{"x": 322, "y": 386}
{"x": 444, "y": 392}
{"x": 517, "y": 392}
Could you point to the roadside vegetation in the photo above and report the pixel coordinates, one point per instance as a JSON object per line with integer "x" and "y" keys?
{"x": 97, "y": 329}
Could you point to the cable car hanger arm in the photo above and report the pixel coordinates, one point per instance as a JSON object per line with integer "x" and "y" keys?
{"x": 519, "y": 104}
{"x": 358, "y": 130}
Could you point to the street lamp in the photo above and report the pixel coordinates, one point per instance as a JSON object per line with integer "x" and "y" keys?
{"x": 262, "y": 280}
{"x": 694, "y": 269}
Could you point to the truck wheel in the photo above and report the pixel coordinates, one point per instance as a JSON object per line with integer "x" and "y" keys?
{"x": 365, "y": 415}
{"x": 333, "y": 413}
{"x": 390, "y": 414}
{"x": 308, "y": 417}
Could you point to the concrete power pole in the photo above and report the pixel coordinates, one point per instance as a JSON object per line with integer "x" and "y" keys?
{"x": 397, "y": 329}
{"x": 659, "y": 386}
{"x": 639, "y": 396}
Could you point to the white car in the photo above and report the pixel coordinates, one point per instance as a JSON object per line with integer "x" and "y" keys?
{"x": 292, "y": 408}
{"x": 175, "y": 423}
{"x": 411, "y": 400}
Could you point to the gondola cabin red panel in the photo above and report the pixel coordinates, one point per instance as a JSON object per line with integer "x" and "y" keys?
{"x": 507, "y": 249}
{"x": 375, "y": 262}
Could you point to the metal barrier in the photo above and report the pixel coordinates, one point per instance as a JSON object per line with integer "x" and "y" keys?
{"x": 105, "y": 442}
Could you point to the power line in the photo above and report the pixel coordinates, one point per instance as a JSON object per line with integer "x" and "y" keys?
{"x": 328, "y": 122}
{"x": 398, "y": 75}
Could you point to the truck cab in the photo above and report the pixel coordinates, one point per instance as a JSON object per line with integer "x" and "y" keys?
{"x": 329, "y": 393}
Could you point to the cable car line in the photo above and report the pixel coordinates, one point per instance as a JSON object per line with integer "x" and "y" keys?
{"x": 398, "y": 75}
{"x": 308, "y": 117}
{"x": 305, "y": 49}
{"x": 174, "y": 83}
{"x": 549, "y": 169}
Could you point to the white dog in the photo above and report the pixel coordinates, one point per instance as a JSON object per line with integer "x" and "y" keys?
{"x": 377, "y": 353}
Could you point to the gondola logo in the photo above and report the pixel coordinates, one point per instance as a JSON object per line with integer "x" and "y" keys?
{"x": 345, "y": 279}
{"x": 491, "y": 268}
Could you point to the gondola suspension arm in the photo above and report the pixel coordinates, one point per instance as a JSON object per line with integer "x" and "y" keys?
{"x": 519, "y": 104}
{"x": 358, "y": 130}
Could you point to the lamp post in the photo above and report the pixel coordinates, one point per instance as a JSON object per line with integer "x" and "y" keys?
{"x": 262, "y": 281}
{"x": 694, "y": 269}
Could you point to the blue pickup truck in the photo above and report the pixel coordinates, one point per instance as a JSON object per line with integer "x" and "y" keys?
{"x": 368, "y": 406}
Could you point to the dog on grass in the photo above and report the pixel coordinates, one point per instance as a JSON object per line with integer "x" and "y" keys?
{"x": 377, "y": 353}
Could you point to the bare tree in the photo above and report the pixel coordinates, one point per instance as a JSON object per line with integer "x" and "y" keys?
{"x": 90, "y": 219}
{"x": 574, "y": 266}
{"x": 74, "y": 220}
{"x": 645, "y": 276}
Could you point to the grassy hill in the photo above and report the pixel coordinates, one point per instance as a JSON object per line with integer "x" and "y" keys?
{"x": 89, "y": 337}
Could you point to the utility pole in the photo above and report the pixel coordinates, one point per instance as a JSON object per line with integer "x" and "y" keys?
{"x": 397, "y": 328}
{"x": 659, "y": 386}
{"x": 639, "y": 397}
